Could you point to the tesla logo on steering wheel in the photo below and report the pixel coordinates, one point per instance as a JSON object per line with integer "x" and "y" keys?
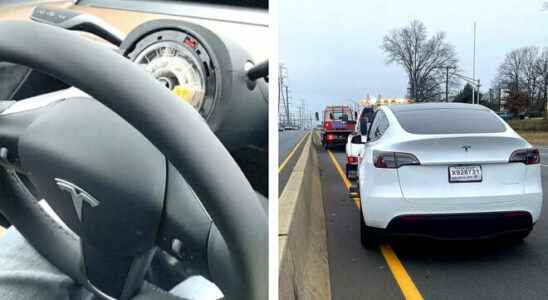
{"x": 77, "y": 194}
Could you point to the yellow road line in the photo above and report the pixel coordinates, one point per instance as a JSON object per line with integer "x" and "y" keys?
{"x": 406, "y": 284}
{"x": 284, "y": 163}
{"x": 345, "y": 180}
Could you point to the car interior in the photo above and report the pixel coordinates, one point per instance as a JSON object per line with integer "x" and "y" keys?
{"x": 134, "y": 142}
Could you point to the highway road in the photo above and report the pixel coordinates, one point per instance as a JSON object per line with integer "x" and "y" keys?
{"x": 290, "y": 147}
{"x": 415, "y": 269}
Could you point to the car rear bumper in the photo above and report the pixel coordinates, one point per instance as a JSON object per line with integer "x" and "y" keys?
{"x": 336, "y": 137}
{"x": 382, "y": 212}
{"x": 461, "y": 226}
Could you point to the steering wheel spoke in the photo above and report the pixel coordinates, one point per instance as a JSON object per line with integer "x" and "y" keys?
{"x": 17, "y": 116}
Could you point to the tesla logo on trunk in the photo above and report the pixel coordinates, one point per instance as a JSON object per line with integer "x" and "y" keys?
{"x": 77, "y": 194}
{"x": 466, "y": 148}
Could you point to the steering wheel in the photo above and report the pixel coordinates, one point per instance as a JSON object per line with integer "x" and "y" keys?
{"x": 108, "y": 159}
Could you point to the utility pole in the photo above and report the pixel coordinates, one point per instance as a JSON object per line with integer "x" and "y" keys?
{"x": 474, "y": 64}
{"x": 500, "y": 98}
{"x": 287, "y": 113}
{"x": 447, "y": 84}
{"x": 447, "y": 81}
{"x": 284, "y": 94}
{"x": 478, "y": 93}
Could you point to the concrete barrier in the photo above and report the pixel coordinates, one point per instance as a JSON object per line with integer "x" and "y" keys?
{"x": 304, "y": 268}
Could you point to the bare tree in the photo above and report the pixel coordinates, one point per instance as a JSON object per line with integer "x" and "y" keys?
{"x": 542, "y": 73}
{"x": 424, "y": 59}
{"x": 524, "y": 77}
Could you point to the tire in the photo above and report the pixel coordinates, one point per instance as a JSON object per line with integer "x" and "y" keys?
{"x": 369, "y": 238}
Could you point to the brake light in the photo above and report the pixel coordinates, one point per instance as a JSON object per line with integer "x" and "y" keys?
{"x": 349, "y": 125}
{"x": 352, "y": 160}
{"x": 529, "y": 156}
{"x": 393, "y": 160}
{"x": 330, "y": 137}
{"x": 328, "y": 125}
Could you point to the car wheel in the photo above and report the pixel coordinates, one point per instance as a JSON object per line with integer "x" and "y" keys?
{"x": 368, "y": 236}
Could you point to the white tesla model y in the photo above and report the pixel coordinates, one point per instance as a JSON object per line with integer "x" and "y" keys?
{"x": 447, "y": 171}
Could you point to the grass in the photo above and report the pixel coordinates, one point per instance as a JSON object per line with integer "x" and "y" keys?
{"x": 535, "y": 130}
{"x": 535, "y": 137}
{"x": 536, "y": 124}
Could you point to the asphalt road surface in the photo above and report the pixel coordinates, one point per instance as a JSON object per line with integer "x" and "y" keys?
{"x": 290, "y": 148}
{"x": 429, "y": 269}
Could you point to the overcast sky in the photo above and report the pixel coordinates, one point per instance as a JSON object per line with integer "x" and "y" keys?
{"x": 332, "y": 48}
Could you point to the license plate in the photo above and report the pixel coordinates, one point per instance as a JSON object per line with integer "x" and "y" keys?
{"x": 465, "y": 174}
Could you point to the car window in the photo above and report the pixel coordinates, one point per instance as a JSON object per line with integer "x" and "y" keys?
{"x": 449, "y": 121}
{"x": 338, "y": 115}
{"x": 373, "y": 127}
{"x": 378, "y": 127}
{"x": 383, "y": 124}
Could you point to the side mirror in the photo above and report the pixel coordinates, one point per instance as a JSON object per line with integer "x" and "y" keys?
{"x": 331, "y": 116}
{"x": 357, "y": 139}
{"x": 364, "y": 122}
{"x": 355, "y": 115}
{"x": 317, "y": 116}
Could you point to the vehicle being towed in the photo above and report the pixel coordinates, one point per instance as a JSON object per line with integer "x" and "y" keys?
{"x": 146, "y": 138}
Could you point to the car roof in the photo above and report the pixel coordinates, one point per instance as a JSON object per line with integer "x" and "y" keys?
{"x": 434, "y": 105}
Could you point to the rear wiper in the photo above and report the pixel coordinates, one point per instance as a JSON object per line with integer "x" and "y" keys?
{"x": 73, "y": 20}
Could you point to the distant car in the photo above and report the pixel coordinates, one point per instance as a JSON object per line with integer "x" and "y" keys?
{"x": 447, "y": 171}
{"x": 355, "y": 142}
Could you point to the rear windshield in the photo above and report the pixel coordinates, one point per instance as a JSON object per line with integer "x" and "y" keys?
{"x": 449, "y": 121}
{"x": 343, "y": 114}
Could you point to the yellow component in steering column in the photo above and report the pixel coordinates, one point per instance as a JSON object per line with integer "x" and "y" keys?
{"x": 184, "y": 92}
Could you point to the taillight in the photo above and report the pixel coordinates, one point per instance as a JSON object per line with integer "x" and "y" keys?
{"x": 393, "y": 160}
{"x": 529, "y": 156}
{"x": 352, "y": 160}
{"x": 350, "y": 125}
{"x": 328, "y": 125}
{"x": 330, "y": 137}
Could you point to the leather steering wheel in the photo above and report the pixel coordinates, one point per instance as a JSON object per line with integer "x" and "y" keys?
{"x": 109, "y": 158}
